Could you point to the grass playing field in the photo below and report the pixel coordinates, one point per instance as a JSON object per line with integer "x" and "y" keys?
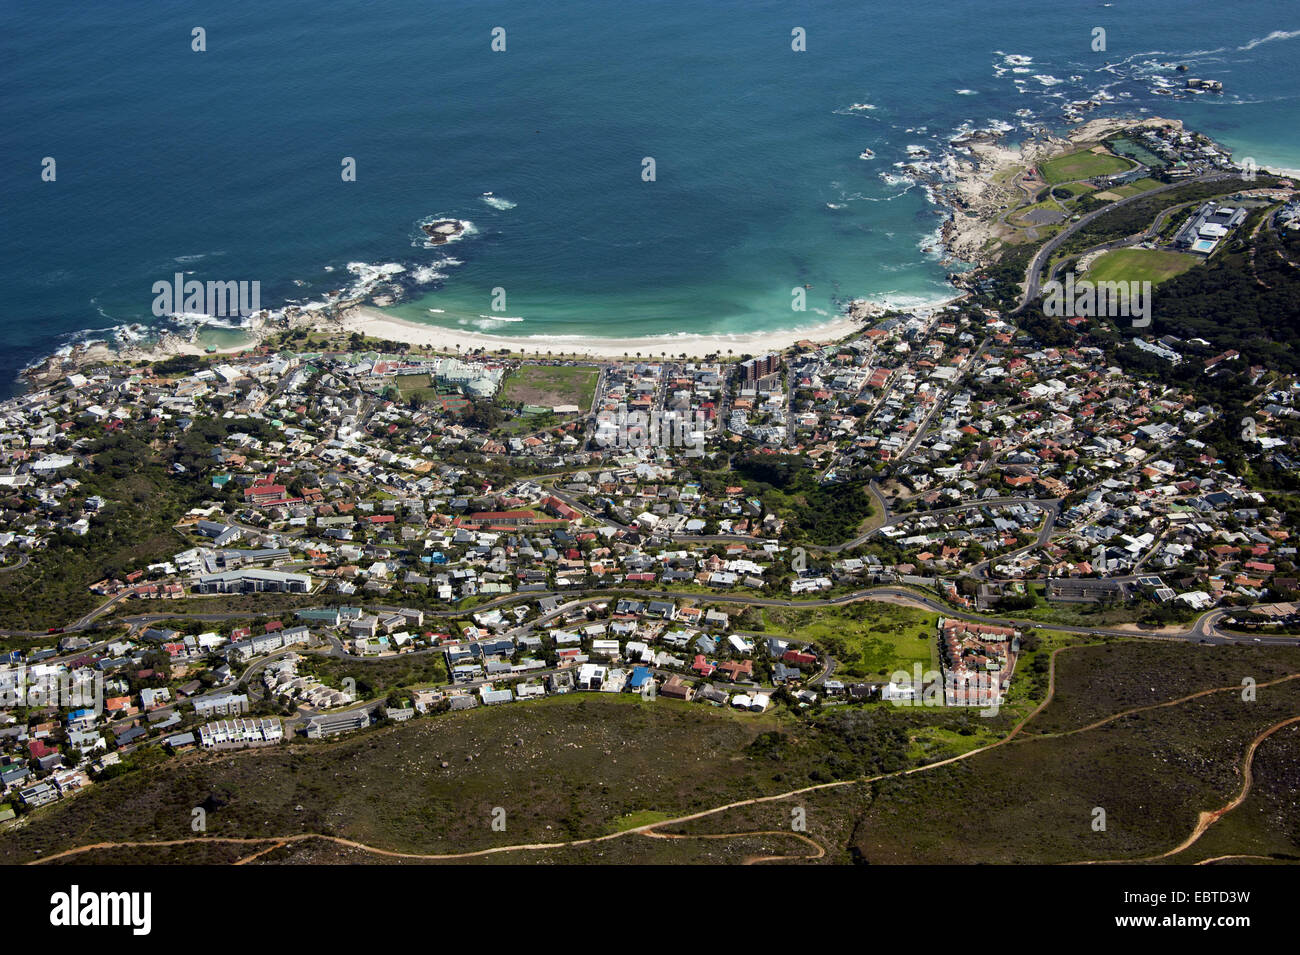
{"x": 1082, "y": 165}
{"x": 1139, "y": 265}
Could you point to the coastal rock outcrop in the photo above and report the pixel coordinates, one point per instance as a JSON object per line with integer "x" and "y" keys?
{"x": 440, "y": 231}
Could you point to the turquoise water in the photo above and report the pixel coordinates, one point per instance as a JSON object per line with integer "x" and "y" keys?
{"x": 225, "y": 164}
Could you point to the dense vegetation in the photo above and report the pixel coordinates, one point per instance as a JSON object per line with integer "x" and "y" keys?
{"x": 1133, "y": 217}
{"x": 1247, "y": 298}
{"x": 856, "y": 743}
{"x": 378, "y": 677}
{"x": 135, "y": 528}
{"x": 818, "y": 513}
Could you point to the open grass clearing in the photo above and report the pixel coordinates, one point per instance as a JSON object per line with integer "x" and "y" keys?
{"x": 551, "y": 385}
{"x": 1139, "y": 265}
{"x": 870, "y": 640}
{"x": 1083, "y": 164}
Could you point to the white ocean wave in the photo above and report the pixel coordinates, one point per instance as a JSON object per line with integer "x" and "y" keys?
{"x": 193, "y": 320}
{"x": 198, "y": 257}
{"x": 424, "y": 274}
{"x": 912, "y": 302}
{"x": 1272, "y": 37}
{"x": 497, "y": 202}
{"x": 863, "y": 110}
{"x": 859, "y": 197}
{"x": 932, "y": 243}
{"x": 371, "y": 276}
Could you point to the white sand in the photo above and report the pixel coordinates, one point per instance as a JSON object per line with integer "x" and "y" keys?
{"x": 378, "y": 324}
{"x": 374, "y": 323}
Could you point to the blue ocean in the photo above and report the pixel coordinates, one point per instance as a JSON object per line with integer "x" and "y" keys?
{"x": 225, "y": 164}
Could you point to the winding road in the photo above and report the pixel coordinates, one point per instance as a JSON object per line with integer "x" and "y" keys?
{"x": 1033, "y": 274}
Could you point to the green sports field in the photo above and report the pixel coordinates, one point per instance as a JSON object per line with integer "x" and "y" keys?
{"x": 1082, "y": 165}
{"x": 1139, "y": 265}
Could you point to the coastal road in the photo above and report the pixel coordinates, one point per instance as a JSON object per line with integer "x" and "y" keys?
{"x": 1034, "y": 273}
{"x": 1146, "y": 235}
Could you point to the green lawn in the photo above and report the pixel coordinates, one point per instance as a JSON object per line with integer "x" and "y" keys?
{"x": 869, "y": 640}
{"x": 1075, "y": 189}
{"x": 408, "y": 383}
{"x": 1141, "y": 185}
{"x": 1139, "y": 265}
{"x": 1082, "y": 165}
{"x": 418, "y": 387}
{"x": 550, "y": 385}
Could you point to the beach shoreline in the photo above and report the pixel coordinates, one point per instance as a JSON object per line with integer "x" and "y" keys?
{"x": 374, "y": 323}
{"x": 974, "y": 190}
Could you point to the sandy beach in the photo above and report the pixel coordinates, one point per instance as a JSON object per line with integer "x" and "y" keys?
{"x": 980, "y": 188}
{"x": 378, "y": 324}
